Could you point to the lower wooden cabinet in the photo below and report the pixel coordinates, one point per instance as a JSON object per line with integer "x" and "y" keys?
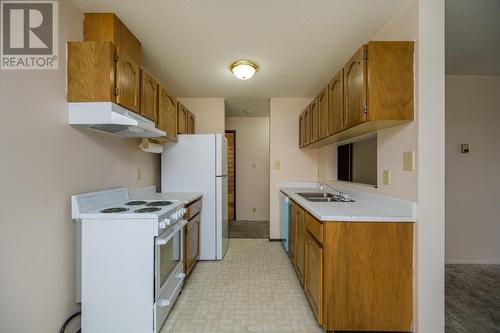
{"x": 313, "y": 275}
{"x": 357, "y": 276}
{"x": 191, "y": 243}
{"x": 299, "y": 242}
{"x": 292, "y": 231}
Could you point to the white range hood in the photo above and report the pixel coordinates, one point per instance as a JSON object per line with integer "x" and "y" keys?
{"x": 112, "y": 118}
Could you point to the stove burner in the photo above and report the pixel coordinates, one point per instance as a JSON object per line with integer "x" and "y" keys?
{"x": 135, "y": 203}
{"x": 159, "y": 203}
{"x": 114, "y": 210}
{"x": 148, "y": 210}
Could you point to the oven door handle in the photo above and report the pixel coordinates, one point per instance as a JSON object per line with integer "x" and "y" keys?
{"x": 164, "y": 240}
{"x": 168, "y": 301}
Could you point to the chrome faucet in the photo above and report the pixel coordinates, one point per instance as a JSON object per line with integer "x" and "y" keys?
{"x": 342, "y": 195}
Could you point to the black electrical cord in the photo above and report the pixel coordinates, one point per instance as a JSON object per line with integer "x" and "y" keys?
{"x": 63, "y": 327}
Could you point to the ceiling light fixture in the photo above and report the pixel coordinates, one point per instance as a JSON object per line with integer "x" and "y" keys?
{"x": 244, "y": 69}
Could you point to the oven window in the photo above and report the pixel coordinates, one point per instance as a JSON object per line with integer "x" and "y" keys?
{"x": 169, "y": 258}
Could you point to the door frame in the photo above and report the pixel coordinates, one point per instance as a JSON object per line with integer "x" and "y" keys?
{"x": 234, "y": 171}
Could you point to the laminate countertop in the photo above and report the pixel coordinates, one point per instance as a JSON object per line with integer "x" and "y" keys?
{"x": 149, "y": 193}
{"x": 367, "y": 207}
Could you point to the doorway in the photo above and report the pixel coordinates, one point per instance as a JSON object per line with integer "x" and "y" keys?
{"x": 231, "y": 174}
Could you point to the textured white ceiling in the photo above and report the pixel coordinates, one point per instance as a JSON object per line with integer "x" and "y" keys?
{"x": 472, "y": 37}
{"x": 299, "y": 44}
{"x": 236, "y": 107}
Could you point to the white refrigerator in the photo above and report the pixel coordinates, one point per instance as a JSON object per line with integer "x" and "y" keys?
{"x": 198, "y": 163}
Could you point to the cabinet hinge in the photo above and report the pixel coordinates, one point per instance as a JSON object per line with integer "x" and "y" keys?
{"x": 116, "y": 91}
{"x": 116, "y": 57}
{"x": 366, "y": 108}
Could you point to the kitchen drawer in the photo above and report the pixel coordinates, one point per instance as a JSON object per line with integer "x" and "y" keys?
{"x": 192, "y": 209}
{"x": 315, "y": 227}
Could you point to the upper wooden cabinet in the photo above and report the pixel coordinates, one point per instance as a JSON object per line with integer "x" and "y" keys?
{"x": 182, "y": 119}
{"x": 190, "y": 123}
{"x": 336, "y": 103}
{"x": 374, "y": 90}
{"x": 302, "y": 125}
{"x": 314, "y": 121}
{"x": 149, "y": 96}
{"x": 107, "y": 27}
{"x": 167, "y": 114}
{"x": 323, "y": 113}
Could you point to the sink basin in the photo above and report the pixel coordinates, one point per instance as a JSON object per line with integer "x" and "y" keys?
{"x": 323, "y": 197}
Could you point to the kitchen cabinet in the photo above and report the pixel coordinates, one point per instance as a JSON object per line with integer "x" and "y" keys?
{"x": 336, "y": 103}
{"x": 292, "y": 231}
{"x": 313, "y": 275}
{"x": 373, "y": 90}
{"x": 167, "y": 114}
{"x": 323, "y": 113}
{"x": 182, "y": 119}
{"x": 314, "y": 121}
{"x": 149, "y": 96}
{"x": 190, "y": 123}
{"x": 301, "y": 130}
{"x": 299, "y": 241}
{"x": 91, "y": 76}
{"x": 357, "y": 276}
{"x": 192, "y": 235}
{"x": 308, "y": 127}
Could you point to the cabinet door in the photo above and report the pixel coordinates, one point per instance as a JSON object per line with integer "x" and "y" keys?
{"x": 191, "y": 243}
{"x": 291, "y": 231}
{"x": 128, "y": 69}
{"x": 301, "y": 130}
{"x": 167, "y": 114}
{"x": 313, "y": 275}
{"x": 182, "y": 126}
{"x": 355, "y": 89}
{"x": 323, "y": 113}
{"x": 190, "y": 123}
{"x": 307, "y": 123}
{"x": 314, "y": 120}
{"x": 149, "y": 93}
{"x": 299, "y": 242}
{"x": 336, "y": 104}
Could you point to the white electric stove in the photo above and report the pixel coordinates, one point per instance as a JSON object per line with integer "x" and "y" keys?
{"x": 129, "y": 260}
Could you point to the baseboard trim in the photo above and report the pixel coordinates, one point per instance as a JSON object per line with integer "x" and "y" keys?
{"x": 275, "y": 240}
{"x": 472, "y": 262}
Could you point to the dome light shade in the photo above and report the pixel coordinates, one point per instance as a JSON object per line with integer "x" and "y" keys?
{"x": 244, "y": 69}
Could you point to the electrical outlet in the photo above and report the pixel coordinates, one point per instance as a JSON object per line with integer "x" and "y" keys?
{"x": 408, "y": 164}
{"x": 277, "y": 165}
{"x": 387, "y": 177}
{"x": 254, "y": 209}
{"x": 138, "y": 174}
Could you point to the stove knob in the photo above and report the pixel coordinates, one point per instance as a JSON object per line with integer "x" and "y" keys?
{"x": 172, "y": 216}
{"x": 162, "y": 225}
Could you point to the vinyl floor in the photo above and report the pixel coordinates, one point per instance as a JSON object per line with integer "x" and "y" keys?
{"x": 472, "y": 298}
{"x": 249, "y": 229}
{"x": 254, "y": 289}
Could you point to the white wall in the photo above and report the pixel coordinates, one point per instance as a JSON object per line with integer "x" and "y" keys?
{"x": 295, "y": 164}
{"x": 43, "y": 162}
{"x": 252, "y": 166}
{"x": 473, "y": 180}
{"x": 209, "y": 112}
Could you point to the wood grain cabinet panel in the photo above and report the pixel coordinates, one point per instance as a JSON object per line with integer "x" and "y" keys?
{"x": 301, "y": 130}
{"x": 149, "y": 93}
{"x": 336, "y": 103}
{"x": 191, "y": 243}
{"x": 191, "y": 119}
{"x": 167, "y": 114}
{"x": 308, "y": 126}
{"x": 107, "y": 27}
{"x": 314, "y": 121}
{"x": 91, "y": 69}
{"x": 292, "y": 231}
{"x": 182, "y": 119}
{"x": 355, "y": 89}
{"x": 323, "y": 106}
{"x": 313, "y": 275}
{"x": 299, "y": 242}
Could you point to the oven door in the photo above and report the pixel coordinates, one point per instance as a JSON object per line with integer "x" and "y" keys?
{"x": 168, "y": 255}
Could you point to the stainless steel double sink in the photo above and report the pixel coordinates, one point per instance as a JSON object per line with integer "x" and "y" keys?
{"x": 323, "y": 197}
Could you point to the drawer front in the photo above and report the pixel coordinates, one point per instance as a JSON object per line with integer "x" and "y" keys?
{"x": 315, "y": 227}
{"x": 192, "y": 209}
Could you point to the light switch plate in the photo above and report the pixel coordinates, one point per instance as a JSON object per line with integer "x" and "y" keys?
{"x": 277, "y": 165}
{"x": 408, "y": 158}
{"x": 254, "y": 166}
{"x": 387, "y": 177}
{"x": 254, "y": 209}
